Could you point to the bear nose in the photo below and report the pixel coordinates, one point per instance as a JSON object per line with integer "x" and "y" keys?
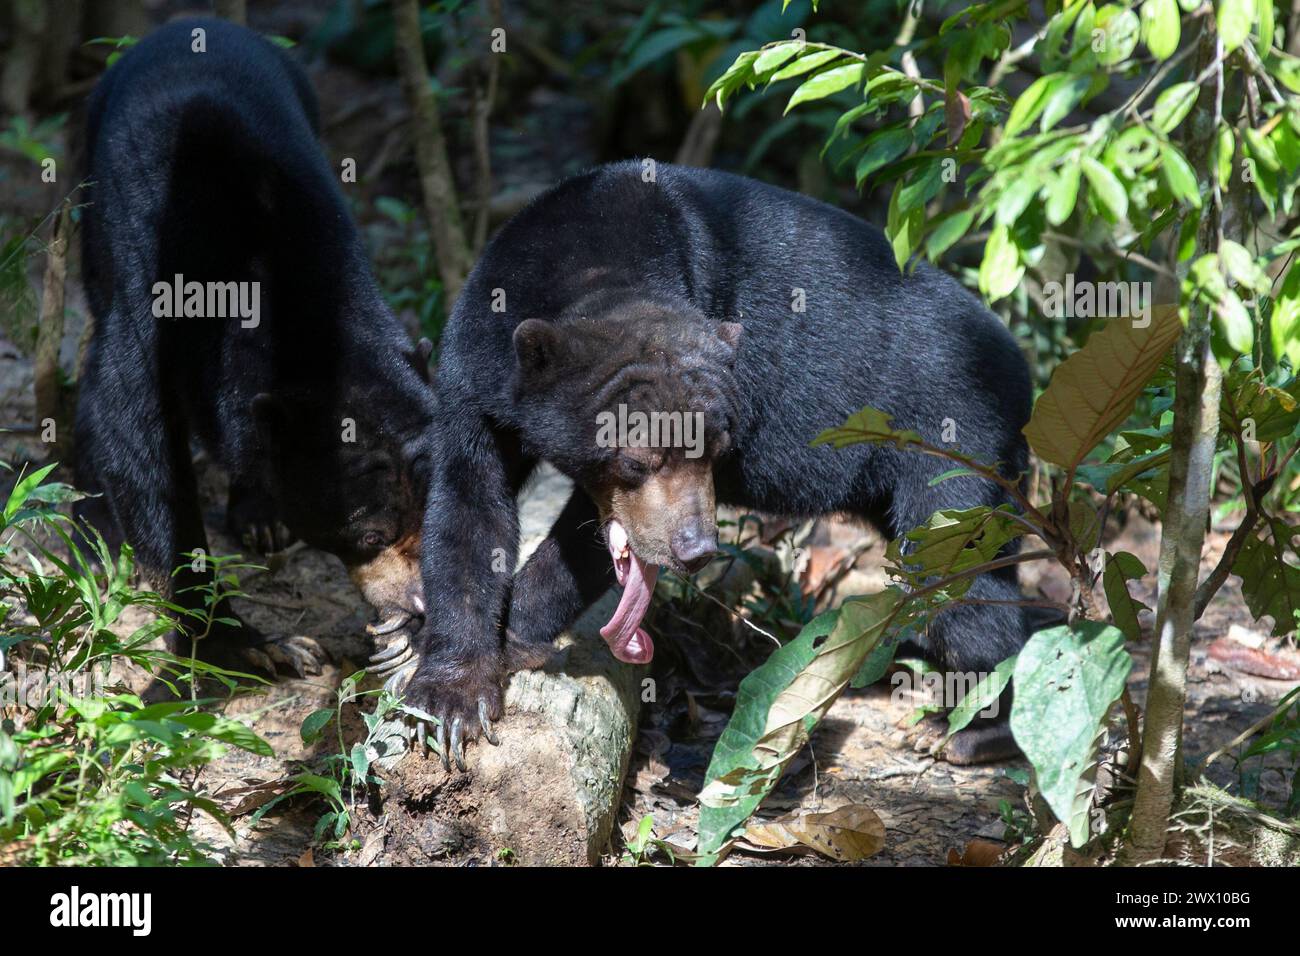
{"x": 693, "y": 544}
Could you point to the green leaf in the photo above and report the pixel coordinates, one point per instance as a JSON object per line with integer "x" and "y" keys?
{"x": 1269, "y": 583}
{"x": 774, "y": 56}
{"x": 1093, "y": 391}
{"x": 982, "y": 695}
{"x": 825, "y": 84}
{"x": 1161, "y": 30}
{"x": 655, "y": 47}
{"x": 1263, "y": 411}
{"x": 360, "y": 761}
{"x": 1262, "y": 149}
{"x": 238, "y": 735}
{"x": 1235, "y": 322}
{"x": 1122, "y": 567}
{"x": 315, "y": 723}
{"x": 1062, "y": 192}
{"x": 953, "y": 541}
{"x": 1066, "y": 680}
{"x": 737, "y": 75}
{"x": 1107, "y": 188}
{"x": 883, "y": 147}
{"x": 1122, "y": 30}
{"x": 1285, "y": 320}
{"x": 1224, "y": 145}
{"x": 1234, "y": 19}
{"x": 1173, "y": 105}
{"x": 947, "y": 231}
{"x": 1030, "y": 104}
{"x": 1241, "y": 266}
{"x": 1063, "y": 95}
{"x": 1179, "y": 175}
{"x": 867, "y": 425}
{"x": 24, "y": 489}
{"x": 779, "y": 704}
{"x": 1001, "y": 269}
{"x": 805, "y": 64}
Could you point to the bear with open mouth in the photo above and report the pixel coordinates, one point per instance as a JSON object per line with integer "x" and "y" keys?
{"x": 740, "y": 319}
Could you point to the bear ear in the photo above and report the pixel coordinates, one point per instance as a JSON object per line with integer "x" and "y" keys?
{"x": 268, "y": 416}
{"x": 729, "y": 332}
{"x": 535, "y": 345}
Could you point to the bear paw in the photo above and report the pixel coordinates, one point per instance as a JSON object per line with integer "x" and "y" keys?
{"x": 251, "y": 519}
{"x": 461, "y": 699}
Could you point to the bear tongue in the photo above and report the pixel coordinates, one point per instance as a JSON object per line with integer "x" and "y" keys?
{"x": 627, "y": 640}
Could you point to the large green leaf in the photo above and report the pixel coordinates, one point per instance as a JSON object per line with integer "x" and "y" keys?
{"x": 1094, "y": 390}
{"x": 778, "y": 705}
{"x": 1066, "y": 680}
{"x": 1270, "y": 580}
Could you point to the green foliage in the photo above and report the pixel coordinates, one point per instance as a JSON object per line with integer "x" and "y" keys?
{"x": 777, "y": 706}
{"x": 406, "y": 267}
{"x": 89, "y": 773}
{"x": 340, "y": 774}
{"x": 1067, "y": 679}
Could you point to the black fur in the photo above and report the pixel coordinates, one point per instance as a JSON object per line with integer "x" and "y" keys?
{"x": 207, "y": 164}
{"x": 629, "y": 274}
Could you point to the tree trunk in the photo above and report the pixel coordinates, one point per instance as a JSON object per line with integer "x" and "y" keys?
{"x": 436, "y": 181}
{"x": 1197, "y": 383}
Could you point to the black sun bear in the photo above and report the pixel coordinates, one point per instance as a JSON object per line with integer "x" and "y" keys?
{"x": 234, "y": 307}
{"x": 762, "y": 315}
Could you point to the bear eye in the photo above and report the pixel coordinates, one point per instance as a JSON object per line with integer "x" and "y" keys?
{"x": 631, "y": 470}
{"x": 372, "y": 539}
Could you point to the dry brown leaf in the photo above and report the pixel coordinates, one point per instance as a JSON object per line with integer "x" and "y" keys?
{"x": 977, "y": 853}
{"x": 1093, "y": 391}
{"x": 850, "y": 833}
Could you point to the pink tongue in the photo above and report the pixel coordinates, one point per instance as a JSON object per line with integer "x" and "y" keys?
{"x": 627, "y": 640}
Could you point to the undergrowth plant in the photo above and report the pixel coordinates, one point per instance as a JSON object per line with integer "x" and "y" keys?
{"x": 89, "y": 773}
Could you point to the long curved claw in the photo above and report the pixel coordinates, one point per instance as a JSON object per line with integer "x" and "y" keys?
{"x": 397, "y": 681}
{"x": 392, "y": 650}
{"x": 394, "y": 623}
{"x": 458, "y": 743}
{"x": 391, "y": 661}
{"x": 422, "y": 736}
{"x": 442, "y": 746}
{"x": 488, "y": 733}
{"x": 300, "y": 655}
